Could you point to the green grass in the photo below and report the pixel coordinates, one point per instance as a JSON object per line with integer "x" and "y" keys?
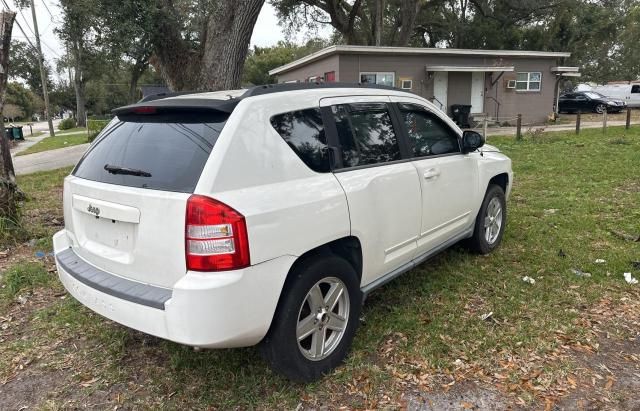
{"x": 41, "y": 212}
{"x": 419, "y": 324}
{"x": 22, "y": 277}
{"x": 52, "y": 143}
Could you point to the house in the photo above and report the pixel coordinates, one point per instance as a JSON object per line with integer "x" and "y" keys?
{"x": 498, "y": 84}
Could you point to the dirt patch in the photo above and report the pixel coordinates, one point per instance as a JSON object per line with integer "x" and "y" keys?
{"x": 467, "y": 396}
{"x": 30, "y": 389}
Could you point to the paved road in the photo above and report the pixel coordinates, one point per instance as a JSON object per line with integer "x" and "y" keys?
{"x": 49, "y": 160}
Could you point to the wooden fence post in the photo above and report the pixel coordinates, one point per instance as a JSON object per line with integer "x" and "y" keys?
{"x": 484, "y": 128}
{"x": 604, "y": 122}
{"x": 628, "y": 124}
{"x": 578, "y": 117}
{"x": 519, "y": 127}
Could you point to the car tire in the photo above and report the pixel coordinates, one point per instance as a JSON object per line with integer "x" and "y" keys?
{"x": 489, "y": 225}
{"x": 293, "y": 346}
{"x": 600, "y": 108}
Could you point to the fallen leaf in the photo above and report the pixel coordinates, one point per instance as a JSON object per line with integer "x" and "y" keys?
{"x": 89, "y": 383}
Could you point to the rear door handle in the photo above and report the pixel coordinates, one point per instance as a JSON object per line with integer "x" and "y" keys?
{"x": 431, "y": 174}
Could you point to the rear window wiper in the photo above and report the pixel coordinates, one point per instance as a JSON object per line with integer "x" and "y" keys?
{"x": 126, "y": 171}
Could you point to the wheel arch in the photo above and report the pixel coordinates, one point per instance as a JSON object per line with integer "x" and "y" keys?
{"x": 349, "y": 248}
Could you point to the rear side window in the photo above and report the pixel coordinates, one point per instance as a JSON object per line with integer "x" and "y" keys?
{"x": 366, "y": 134}
{"x": 304, "y": 133}
{"x": 156, "y": 152}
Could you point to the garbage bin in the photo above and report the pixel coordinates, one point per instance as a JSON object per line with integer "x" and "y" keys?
{"x": 8, "y": 133}
{"x": 460, "y": 114}
{"x": 17, "y": 133}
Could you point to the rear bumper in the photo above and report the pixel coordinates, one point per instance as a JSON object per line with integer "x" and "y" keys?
{"x": 210, "y": 310}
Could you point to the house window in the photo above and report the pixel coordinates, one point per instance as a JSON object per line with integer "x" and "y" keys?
{"x": 529, "y": 81}
{"x": 407, "y": 84}
{"x": 385, "y": 79}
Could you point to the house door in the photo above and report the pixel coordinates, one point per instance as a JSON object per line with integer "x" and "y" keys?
{"x": 477, "y": 92}
{"x": 440, "y": 89}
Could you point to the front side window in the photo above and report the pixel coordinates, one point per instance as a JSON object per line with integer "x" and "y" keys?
{"x": 385, "y": 79}
{"x": 366, "y": 134}
{"x": 428, "y": 134}
{"x": 635, "y": 88}
{"x": 529, "y": 81}
{"x": 304, "y": 133}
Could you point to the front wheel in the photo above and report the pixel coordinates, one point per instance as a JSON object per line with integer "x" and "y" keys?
{"x": 316, "y": 319}
{"x": 490, "y": 222}
{"x": 601, "y": 108}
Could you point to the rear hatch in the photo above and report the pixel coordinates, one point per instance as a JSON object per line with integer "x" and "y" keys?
{"x": 125, "y": 201}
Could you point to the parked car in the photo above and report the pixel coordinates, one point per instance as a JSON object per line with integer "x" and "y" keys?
{"x": 265, "y": 216}
{"x": 629, "y": 93}
{"x": 589, "y": 102}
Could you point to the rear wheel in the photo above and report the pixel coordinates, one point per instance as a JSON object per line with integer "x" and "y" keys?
{"x": 490, "y": 221}
{"x": 316, "y": 320}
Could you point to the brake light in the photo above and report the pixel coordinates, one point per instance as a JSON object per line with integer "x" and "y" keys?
{"x": 215, "y": 236}
{"x": 144, "y": 110}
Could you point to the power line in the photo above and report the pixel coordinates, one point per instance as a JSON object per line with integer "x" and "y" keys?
{"x": 30, "y": 29}
{"x": 47, "y": 7}
{"x": 20, "y": 27}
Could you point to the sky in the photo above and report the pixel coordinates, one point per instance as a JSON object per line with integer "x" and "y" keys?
{"x": 266, "y": 32}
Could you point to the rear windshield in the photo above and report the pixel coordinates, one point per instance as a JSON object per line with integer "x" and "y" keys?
{"x": 155, "y": 152}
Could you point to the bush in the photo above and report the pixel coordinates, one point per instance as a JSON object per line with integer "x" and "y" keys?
{"x": 94, "y": 127}
{"x": 67, "y": 124}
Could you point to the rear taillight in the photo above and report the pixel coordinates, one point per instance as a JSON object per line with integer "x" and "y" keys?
{"x": 215, "y": 236}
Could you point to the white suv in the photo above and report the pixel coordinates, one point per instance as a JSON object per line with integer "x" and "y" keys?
{"x": 228, "y": 219}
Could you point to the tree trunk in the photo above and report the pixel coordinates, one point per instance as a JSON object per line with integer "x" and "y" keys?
{"x": 378, "y": 21}
{"x": 409, "y": 10}
{"x": 137, "y": 70}
{"x": 9, "y": 193}
{"x": 79, "y": 86}
{"x": 81, "y": 110}
{"x": 218, "y": 64}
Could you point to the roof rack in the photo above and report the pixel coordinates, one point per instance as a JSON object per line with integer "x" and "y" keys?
{"x": 278, "y": 88}
{"x": 158, "y": 100}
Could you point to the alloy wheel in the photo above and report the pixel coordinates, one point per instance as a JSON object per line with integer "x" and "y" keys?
{"x": 493, "y": 220}
{"x": 322, "y": 318}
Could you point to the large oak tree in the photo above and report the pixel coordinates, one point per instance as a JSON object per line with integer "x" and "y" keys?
{"x": 202, "y": 45}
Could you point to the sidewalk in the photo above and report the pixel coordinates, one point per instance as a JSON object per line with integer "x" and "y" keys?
{"x": 48, "y": 160}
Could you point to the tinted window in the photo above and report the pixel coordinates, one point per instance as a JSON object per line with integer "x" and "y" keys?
{"x": 171, "y": 154}
{"x": 304, "y": 132}
{"x": 635, "y": 88}
{"x": 428, "y": 134}
{"x": 366, "y": 134}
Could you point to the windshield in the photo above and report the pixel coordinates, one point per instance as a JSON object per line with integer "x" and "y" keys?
{"x": 593, "y": 94}
{"x": 152, "y": 153}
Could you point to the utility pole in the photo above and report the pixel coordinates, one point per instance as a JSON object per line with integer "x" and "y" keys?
{"x": 43, "y": 73}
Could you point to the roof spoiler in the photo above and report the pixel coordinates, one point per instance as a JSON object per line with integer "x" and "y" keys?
{"x": 162, "y": 105}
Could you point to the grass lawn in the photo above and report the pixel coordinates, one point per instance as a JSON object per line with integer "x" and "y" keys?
{"x": 59, "y": 141}
{"x": 575, "y": 200}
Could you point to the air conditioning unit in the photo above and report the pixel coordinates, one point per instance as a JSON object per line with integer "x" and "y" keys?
{"x": 511, "y": 84}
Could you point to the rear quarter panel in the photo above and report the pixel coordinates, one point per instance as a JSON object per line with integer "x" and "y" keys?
{"x": 289, "y": 208}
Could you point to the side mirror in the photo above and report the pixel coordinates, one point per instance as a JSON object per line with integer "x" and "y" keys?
{"x": 471, "y": 141}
